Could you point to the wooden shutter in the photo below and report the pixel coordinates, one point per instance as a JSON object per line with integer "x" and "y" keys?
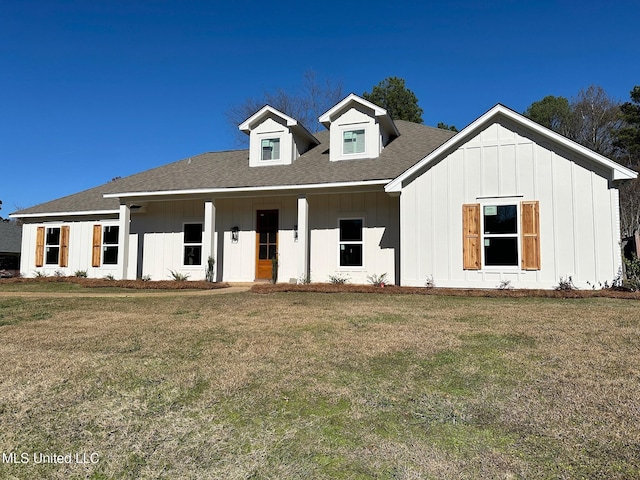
{"x": 471, "y": 236}
{"x": 64, "y": 246}
{"x": 97, "y": 246}
{"x": 40, "y": 247}
{"x": 530, "y": 219}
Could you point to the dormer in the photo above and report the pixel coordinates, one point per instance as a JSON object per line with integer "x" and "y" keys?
{"x": 357, "y": 129}
{"x": 275, "y": 138}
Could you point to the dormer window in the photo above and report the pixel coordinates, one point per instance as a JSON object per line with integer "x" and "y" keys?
{"x": 353, "y": 142}
{"x": 270, "y": 149}
{"x": 358, "y": 129}
{"x": 275, "y": 138}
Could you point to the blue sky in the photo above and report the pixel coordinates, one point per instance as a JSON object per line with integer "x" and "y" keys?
{"x": 91, "y": 90}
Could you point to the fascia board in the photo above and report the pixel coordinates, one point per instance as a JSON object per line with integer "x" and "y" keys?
{"x": 247, "y": 125}
{"x": 325, "y": 118}
{"x": 619, "y": 172}
{"x": 64, "y": 214}
{"x": 234, "y": 190}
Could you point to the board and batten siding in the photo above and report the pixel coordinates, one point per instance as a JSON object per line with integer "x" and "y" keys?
{"x": 577, "y": 206}
{"x": 236, "y": 261}
{"x": 379, "y": 212}
{"x": 76, "y": 248}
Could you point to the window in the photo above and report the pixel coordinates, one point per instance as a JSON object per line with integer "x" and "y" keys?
{"x": 193, "y": 244}
{"x": 500, "y": 225}
{"x": 270, "y": 149}
{"x": 110, "y": 245}
{"x": 496, "y": 236}
{"x": 52, "y": 246}
{"x": 351, "y": 242}
{"x": 353, "y": 142}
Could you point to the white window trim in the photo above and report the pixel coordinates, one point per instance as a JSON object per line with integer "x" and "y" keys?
{"x": 104, "y": 245}
{"x": 268, "y": 138}
{"x": 275, "y": 135}
{"x": 184, "y": 245}
{"x": 46, "y": 245}
{"x": 518, "y": 236}
{"x": 352, "y": 128}
{"x": 348, "y": 268}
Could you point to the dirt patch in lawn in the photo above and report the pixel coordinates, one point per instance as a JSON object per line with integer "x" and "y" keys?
{"x": 456, "y": 292}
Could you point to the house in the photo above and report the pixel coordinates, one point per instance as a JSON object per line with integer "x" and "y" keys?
{"x": 10, "y": 242}
{"x": 504, "y": 200}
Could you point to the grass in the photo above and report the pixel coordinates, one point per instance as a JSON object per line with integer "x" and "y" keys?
{"x": 307, "y": 385}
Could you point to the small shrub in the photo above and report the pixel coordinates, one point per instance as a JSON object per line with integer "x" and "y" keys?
{"x": 566, "y": 283}
{"x": 59, "y": 274}
{"x": 146, "y": 278}
{"x": 377, "y": 280}
{"x": 505, "y": 285}
{"x": 304, "y": 279}
{"x": 209, "y": 271}
{"x": 178, "y": 277}
{"x": 632, "y": 273}
{"x": 80, "y": 274}
{"x": 109, "y": 276}
{"x": 339, "y": 279}
{"x": 430, "y": 283}
{"x": 39, "y": 274}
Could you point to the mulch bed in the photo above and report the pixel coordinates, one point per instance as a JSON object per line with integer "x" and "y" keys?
{"x": 133, "y": 284}
{"x": 265, "y": 288}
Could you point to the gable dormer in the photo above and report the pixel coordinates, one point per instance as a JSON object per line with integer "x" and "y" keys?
{"x": 358, "y": 129}
{"x": 275, "y": 138}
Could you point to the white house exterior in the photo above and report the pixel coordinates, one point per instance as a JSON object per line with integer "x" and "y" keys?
{"x": 503, "y": 200}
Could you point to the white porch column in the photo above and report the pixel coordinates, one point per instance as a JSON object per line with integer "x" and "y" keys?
{"x": 302, "y": 260}
{"x": 209, "y": 244}
{"x": 124, "y": 223}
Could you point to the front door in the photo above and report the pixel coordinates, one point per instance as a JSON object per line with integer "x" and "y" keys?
{"x": 266, "y": 242}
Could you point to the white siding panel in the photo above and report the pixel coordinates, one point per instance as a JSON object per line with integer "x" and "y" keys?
{"x": 380, "y": 235}
{"x": 575, "y": 213}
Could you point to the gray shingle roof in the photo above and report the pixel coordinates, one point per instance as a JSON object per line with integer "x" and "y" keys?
{"x": 230, "y": 169}
{"x": 10, "y": 237}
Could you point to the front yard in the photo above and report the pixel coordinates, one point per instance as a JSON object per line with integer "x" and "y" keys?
{"x": 312, "y": 385}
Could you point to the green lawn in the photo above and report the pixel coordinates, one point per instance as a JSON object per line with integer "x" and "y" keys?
{"x": 303, "y": 385}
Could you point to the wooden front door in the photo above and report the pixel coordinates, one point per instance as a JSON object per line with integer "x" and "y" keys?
{"x": 266, "y": 242}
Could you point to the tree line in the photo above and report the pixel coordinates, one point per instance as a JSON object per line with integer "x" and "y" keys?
{"x": 592, "y": 118}
{"x": 609, "y": 127}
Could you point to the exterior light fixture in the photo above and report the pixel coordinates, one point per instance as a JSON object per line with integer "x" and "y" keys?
{"x": 295, "y": 232}
{"x": 234, "y": 234}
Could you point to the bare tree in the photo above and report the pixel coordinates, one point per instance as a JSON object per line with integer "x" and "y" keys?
{"x": 596, "y": 117}
{"x": 305, "y": 104}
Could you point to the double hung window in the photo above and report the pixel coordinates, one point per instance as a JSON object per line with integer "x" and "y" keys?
{"x": 500, "y": 225}
{"x": 193, "y": 244}
{"x": 52, "y": 246}
{"x": 501, "y": 236}
{"x": 110, "y": 245}
{"x": 351, "y": 243}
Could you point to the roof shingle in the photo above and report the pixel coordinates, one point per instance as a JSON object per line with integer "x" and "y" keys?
{"x": 230, "y": 169}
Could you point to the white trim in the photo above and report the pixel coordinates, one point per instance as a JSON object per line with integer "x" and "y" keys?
{"x": 326, "y": 119}
{"x": 200, "y": 244}
{"x": 106, "y": 245}
{"x": 618, "y": 171}
{"x": 52, "y": 245}
{"x": 359, "y": 127}
{"x": 64, "y": 214}
{"x": 247, "y": 125}
{"x": 351, "y": 268}
{"x": 204, "y": 191}
{"x": 517, "y": 235}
